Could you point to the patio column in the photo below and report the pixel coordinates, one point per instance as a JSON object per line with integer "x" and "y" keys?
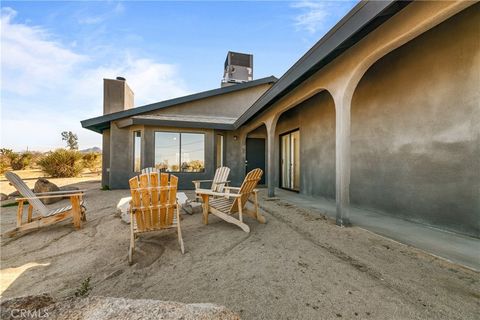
{"x": 342, "y": 157}
{"x": 271, "y": 125}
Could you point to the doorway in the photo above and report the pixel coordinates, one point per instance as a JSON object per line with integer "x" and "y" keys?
{"x": 290, "y": 160}
{"x": 255, "y": 156}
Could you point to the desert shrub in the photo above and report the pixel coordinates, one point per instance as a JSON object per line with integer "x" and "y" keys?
{"x": 91, "y": 161}
{"x": 84, "y": 289}
{"x": 62, "y": 163}
{"x": 17, "y": 161}
{"x": 3, "y": 164}
{"x": 21, "y": 160}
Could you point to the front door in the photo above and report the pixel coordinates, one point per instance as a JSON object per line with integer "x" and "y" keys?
{"x": 256, "y": 156}
{"x": 290, "y": 160}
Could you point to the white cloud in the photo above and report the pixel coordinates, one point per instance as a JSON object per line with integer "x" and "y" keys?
{"x": 316, "y": 16}
{"x": 48, "y": 88}
{"x": 118, "y": 9}
{"x": 313, "y": 16}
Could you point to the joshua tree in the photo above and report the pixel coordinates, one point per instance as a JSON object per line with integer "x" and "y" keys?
{"x": 71, "y": 139}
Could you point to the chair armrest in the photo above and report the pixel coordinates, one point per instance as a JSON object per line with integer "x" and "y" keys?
{"x": 220, "y": 194}
{"x": 46, "y": 197}
{"x": 201, "y": 181}
{"x": 232, "y": 188}
{"x": 66, "y": 192}
{"x": 226, "y": 182}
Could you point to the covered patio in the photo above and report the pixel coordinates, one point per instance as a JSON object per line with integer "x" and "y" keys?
{"x": 299, "y": 265}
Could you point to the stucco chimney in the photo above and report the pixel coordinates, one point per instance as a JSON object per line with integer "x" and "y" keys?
{"x": 117, "y": 95}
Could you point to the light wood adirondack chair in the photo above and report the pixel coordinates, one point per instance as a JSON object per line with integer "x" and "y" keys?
{"x": 220, "y": 180}
{"x": 153, "y": 206}
{"x": 234, "y": 200}
{"x": 45, "y": 216}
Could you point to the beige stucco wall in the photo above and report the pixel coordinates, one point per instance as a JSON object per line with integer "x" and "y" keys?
{"x": 315, "y": 119}
{"x": 415, "y": 129}
{"x": 230, "y": 105}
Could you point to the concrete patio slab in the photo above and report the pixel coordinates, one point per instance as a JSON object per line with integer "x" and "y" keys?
{"x": 451, "y": 246}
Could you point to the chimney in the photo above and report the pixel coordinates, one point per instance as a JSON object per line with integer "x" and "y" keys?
{"x": 238, "y": 68}
{"x": 117, "y": 95}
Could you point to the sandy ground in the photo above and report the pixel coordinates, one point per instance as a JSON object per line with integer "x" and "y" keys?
{"x": 297, "y": 266}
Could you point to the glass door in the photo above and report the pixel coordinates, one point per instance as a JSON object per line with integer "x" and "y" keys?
{"x": 290, "y": 160}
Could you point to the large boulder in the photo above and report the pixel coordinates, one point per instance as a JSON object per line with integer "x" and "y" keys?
{"x": 43, "y": 185}
{"x": 105, "y": 308}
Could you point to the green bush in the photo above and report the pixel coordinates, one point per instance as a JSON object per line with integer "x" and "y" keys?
{"x": 91, "y": 161}
{"x": 62, "y": 163}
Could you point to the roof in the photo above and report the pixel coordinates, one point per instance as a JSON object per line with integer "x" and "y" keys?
{"x": 365, "y": 17}
{"x": 181, "y": 121}
{"x": 98, "y": 124}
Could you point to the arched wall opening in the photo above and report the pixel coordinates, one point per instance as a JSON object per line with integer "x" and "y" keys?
{"x": 415, "y": 129}
{"x": 312, "y": 122}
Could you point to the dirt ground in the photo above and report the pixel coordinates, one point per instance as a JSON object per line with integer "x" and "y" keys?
{"x": 299, "y": 265}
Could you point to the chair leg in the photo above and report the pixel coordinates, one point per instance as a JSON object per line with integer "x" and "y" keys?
{"x": 19, "y": 213}
{"x": 131, "y": 249}
{"x": 230, "y": 219}
{"x": 205, "y": 208}
{"x": 258, "y": 216}
{"x": 30, "y": 211}
{"x": 76, "y": 211}
{"x": 179, "y": 232}
{"x": 240, "y": 213}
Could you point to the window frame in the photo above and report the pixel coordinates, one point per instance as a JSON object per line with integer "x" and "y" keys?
{"x": 180, "y": 150}
{"x": 220, "y": 152}
{"x": 140, "y": 149}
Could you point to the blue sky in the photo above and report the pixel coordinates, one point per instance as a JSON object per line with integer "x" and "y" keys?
{"x": 55, "y": 55}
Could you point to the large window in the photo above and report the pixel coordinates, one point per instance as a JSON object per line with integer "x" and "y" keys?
{"x": 137, "y": 151}
{"x": 175, "y": 152}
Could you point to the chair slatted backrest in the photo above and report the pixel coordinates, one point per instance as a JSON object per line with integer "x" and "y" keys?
{"x": 220, "y": 178}
{"x": 26, "y": 192}
{"x": 249, "y": 183}
{"x": 153, "y": 205}
{"x": 150, "y": 170}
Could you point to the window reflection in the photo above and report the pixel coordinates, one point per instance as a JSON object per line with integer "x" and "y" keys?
{"x": 192, "y": 146}
{"x": 176, "y": 152}
{"x": 137, "y": 151}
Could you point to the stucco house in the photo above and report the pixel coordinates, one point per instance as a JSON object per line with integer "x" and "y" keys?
{"x": 382, "y": 113}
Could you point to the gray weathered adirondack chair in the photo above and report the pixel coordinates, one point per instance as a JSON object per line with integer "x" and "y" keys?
{"x": 220, "y": 180}
{"x": 232, "y": 201}
{"x": 45, "y": 216}
{"x": 153, "y": 206}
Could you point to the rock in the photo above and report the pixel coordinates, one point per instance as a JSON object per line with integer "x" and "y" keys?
{"x": 15, "y": 194}
{"x": 43, "y": 185}
{"x": 3, "y": 197}
{"x": 104, "y": 308}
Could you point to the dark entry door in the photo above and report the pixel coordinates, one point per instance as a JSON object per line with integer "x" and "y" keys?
{"x": 256, "y": 156}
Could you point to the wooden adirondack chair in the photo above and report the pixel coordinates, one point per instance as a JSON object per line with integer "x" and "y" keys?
{"x": 234, "y": 200}
{"x": 45, "y": 216}
{"x": 153, "y": 206}
{"x": 220, "y": 180}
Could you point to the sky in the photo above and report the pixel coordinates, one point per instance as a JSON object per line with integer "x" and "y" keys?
{"x": 55, "y": 54}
